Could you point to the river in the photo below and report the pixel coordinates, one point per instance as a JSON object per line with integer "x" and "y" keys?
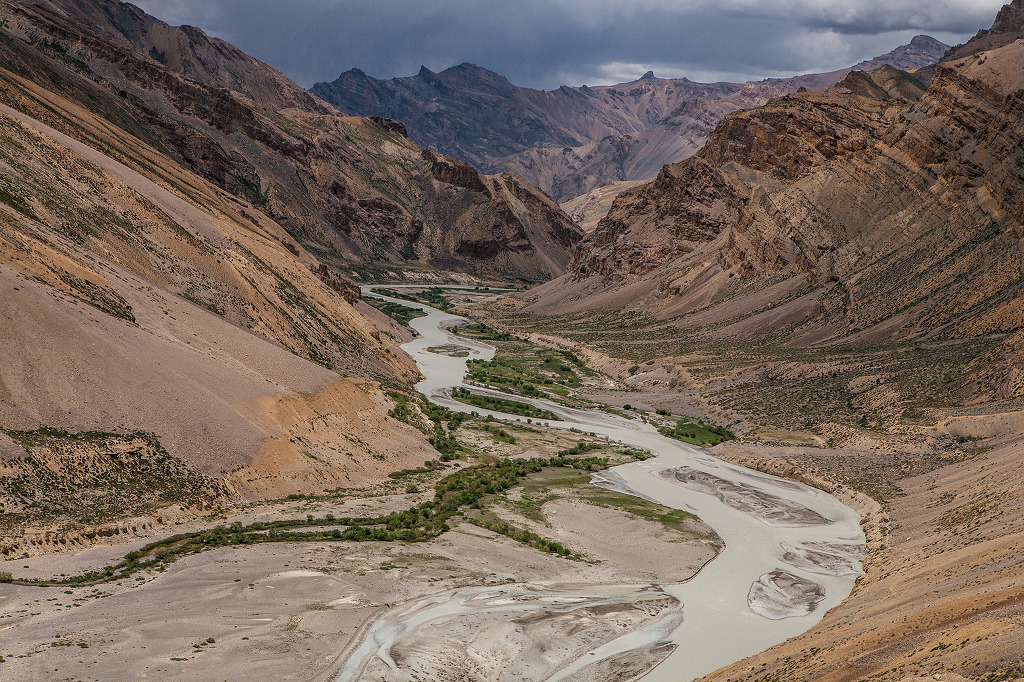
{"x": 791, "y": 552}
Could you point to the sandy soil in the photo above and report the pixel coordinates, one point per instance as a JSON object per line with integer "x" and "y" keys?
{"x": 781, "y": 594}
{"x": 288, "y": 611}
{"x": 767, "y": 508}
{"x": 677, "y": 558}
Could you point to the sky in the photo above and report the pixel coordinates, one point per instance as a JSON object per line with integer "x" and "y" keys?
{"x": 548, "y": 43}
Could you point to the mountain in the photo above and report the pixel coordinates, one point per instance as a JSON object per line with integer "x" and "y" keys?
{"x": 870, "y": 211}
{"x": 573, "y": 139}
{"x": 178, "y": 224}
{"x": 838, "y": 276}
{"x": 920, "y": 52}
{"x": 352, "y": 189}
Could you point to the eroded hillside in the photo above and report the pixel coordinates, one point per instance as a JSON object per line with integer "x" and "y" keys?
{"x": 351, "y": 189}
{"x": 180, "y": 328}
{"x": 836, "y": 276}
{"x": 191, "y": 317}
{"x": 867, "y": 214}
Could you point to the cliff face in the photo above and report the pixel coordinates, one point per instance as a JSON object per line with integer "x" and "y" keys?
{"x": 884, "y": 207}
{"x": 572, "y": 140}
{"x": 353, "y": 189}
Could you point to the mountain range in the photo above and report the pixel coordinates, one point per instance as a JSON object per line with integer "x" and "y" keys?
{"x": 574, "y": 139}
{"x": 835, "y": 275}
{"x": 840, "y": 272}
{"x": 245, "y": 127}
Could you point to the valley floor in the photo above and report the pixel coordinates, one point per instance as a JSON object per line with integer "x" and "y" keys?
{"x": 942, "y": 597}
{"x": 289, "y": 611}
{"x": 296, "y": 610}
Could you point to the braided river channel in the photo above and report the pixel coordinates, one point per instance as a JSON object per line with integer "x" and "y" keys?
{"x": 791, "y": 552}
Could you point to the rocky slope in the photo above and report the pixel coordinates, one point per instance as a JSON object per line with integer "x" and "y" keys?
{"x": 175, "y": 217}
{"x": 572, "y": 140}
{"x": 351, "y": 189}
{"x": 837, "y": 276}
{"x": 892, "y": 213}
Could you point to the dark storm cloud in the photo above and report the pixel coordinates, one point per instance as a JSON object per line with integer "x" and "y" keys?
{"x": 545, "y": 44}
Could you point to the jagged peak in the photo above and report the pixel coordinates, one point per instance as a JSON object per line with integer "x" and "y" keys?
{"x": 1010, "y": 18}
{"x": 424, "y": 72}
{"x": 1007, "y": 27}
{"x": 648, "y": 76}
{"x": 927, "y": 42}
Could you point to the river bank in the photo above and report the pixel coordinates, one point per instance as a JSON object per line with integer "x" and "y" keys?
{"x": 757, "y": 516}
{"x": 290, "y": 610}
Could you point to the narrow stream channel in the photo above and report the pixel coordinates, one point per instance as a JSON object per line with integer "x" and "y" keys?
{"x": 791, "y": 552}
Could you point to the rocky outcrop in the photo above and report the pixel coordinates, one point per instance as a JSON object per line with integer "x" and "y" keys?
{"x": 571, "y": 140}
{"x": 890, "y": 214}
{"x": 1007, "y": 27}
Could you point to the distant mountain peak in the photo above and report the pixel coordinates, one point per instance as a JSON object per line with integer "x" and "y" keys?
{"x": 470, "y": 70}
{"x": 480, "y": 118}
{"x": 424, "y": 72}
{"x": 927, "y": 43}
{"x": 921, "y": 51}
{"x": 469, "y": 66}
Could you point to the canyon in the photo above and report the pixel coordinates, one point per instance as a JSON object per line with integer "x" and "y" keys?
{"x": 818, "y": 276}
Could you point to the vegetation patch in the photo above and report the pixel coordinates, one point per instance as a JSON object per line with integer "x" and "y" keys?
{"x": 529, "y": 538}
{"x": 435, "y": 297}
{"x": 402, "y": 314}
{"x": 528, "y": 369}
{"x": 502, "y": 405}
{"x": 89, "y": 478}
{"x": 453, "y": 495}
{"x": 481, "y": 332}
{"x": 697, "y": 432}
{"x": 438, "y": 423}
{"x": 541, "y": 487}
{"x": 497, "y": 433}
{"x": 451, "y": 350}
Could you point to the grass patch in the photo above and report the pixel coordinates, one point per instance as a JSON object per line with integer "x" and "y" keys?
{"x": 697, "y": 432}
{"x": 644, "y": 509}
{"x": 402, "y": 314}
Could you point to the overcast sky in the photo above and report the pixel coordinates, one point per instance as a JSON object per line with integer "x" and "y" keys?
{"x": 547, "y": 43}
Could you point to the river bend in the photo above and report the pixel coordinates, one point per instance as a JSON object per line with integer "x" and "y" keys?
{"x": 791, "y": 552}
